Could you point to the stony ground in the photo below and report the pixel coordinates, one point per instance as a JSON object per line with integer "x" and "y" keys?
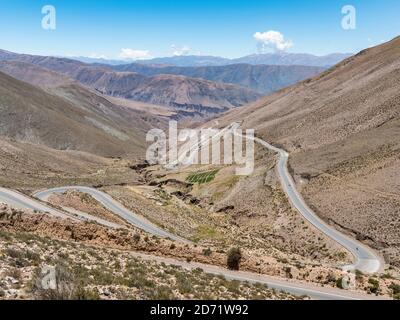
{"x": 99, "y": 273}
{"x": 29, "y": 240}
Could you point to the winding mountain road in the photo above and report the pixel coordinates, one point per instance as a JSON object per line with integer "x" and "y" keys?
{"x": 21, "y": 201}
{"x": 115, "y": 207}
{"x": 366, "y": 260}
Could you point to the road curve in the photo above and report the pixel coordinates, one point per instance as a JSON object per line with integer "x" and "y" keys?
{"x": 299, "y": 289}
{"x": 21, "y": 201}
{"x": 115, "y": 207}
{"x": 366, "y": 260}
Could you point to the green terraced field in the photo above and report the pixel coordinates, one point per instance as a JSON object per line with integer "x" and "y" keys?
{"x": 202, "y": 177}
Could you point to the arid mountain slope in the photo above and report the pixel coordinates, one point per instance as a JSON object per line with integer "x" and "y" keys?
{"x": 58, "y": 83}
{"x": 29, "y": 167}
{"x": 261, "y": 78}
{"x": 167, "y": 90}
{"x": 192, "y": 94}
{"x": 342, "y": 129}
{"x": 74, "y": 119}
{"x": 33, "y": 74}
{"x": 288, "y": 59}
{"x": 358, "y": 94}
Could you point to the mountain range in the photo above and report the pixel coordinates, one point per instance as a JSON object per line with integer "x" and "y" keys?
{"x": 199, "y": 91}
{"x": 195, "y": 95}
{"x": 261, "y": 78}
{"x": 278, "y": 58}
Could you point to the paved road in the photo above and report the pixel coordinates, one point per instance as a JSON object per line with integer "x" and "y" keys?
{"x": 114, "y": 207}
{"x": 366, "y": 259}
{"x": 296, "y": 288}
{"x": 21, "y": 201}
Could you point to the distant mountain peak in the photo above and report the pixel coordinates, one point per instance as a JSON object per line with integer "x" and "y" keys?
{"x": 277, "y": 58}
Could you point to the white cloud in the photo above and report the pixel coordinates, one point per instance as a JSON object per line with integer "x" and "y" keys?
{"x": 133, "y": 54}
{"x": 180, "y": 51}
{"x": 273, "y": 39}
{"x": 97, "y": 56}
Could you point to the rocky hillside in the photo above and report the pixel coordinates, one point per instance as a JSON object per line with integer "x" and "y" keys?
{"x": 187, "y": 93}
{"x": 107, "y": 268}
{"x": 342, "y": 130}
{"x": 202, "y": 96}
{"x": 34, "y": 74}
{"x": 72, "y": 119}
{"x": 261, "y": 78}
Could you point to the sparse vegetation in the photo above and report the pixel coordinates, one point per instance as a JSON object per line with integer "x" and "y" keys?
{"x": 112, "y": 274}
{"x": 359, "y": 275}
{"x": 207, "y": 252}
{"x": 233, "y": 259}
{"x": 395, "y": 290}
{"x": 374, "y": 286}
{"x": 339, "y": 282}
{"x": 68, "y": 286}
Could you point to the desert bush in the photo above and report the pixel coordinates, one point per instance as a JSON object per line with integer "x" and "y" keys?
{"x": 33, "y": 257}
{"x": 14, "y": 253}
{"x": 339, "y": 283}
{"x": 160, "y": 293}
{"x": 359, "y": 276}
{"x": 234, "y": 258}
{"x": 233, "y": 286}
{"x": 374, "y": 288}
{"x": 5, "y": 236}
{"x": 184, "y": 284}
{"x": 81, "y": 293}
{"x": 207, "y": 252}
{"x": 288, "y": 272}
{"x": 395, "y": 290}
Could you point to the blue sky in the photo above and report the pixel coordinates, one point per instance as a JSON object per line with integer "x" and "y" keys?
{"x": 223, "y": 28}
